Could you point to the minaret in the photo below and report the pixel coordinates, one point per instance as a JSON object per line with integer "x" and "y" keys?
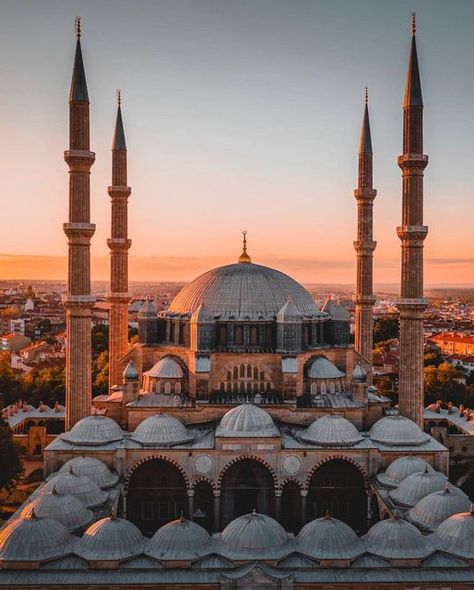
{"x": 119, "y": 244}
{"x": 79, "y": 230}
{"x": 412, "y": 233}
{"x": 364, "y": 245}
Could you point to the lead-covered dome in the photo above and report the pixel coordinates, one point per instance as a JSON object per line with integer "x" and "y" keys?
{"x": 416, "y": 486}
{"x": 179, "y": 539}
{"x": 322, "y": 368}
{"x": 83, "y": 488}
{"x": 456, "y": 534}
{"x": 112, "y": 539}
{"x": 254, "y": 532}
{"x": 401, "y": 468}
{"x": 162, "y": 430}
{"x": 329, "y": 538}
{"x": 331, "y": 430}
{"x": 431, "y": 510}
{"x": 247, "y": 420}
{"x": 93, "y": 469}
{"x": 397, "y": 431}
{"x": 397, "y": 539}
{"x": 93, "y": 431}
{"x": 166, "y": 368}
{"x": 66, "y": 509}
{"x": 243, "y": 291}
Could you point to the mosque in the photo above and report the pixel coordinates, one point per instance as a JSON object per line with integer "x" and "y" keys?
{"x": 242, "y": 444}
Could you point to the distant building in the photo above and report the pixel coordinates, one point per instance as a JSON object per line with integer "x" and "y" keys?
{"x": 451, "y": 343}
{"x": 14, "y": 342}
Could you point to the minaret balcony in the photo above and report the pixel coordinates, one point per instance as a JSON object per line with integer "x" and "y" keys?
{"x": 81, "y": 159}
{"x": 417, "y": 161}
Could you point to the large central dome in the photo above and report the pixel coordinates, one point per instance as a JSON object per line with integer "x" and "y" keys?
{"x": 243, "y": 291}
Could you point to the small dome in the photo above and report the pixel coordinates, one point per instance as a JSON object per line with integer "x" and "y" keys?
{"x": 416, "y": 486}
{"x": 289, "y": 312}
{"x": 397, "y": 539}
{"x": 359, "y": 374}
{"x": 179, "y": 539}
{"x": 321, "y": 368}
{"x": 93, "y": 431}
{"x": 83, "y": 488}
{"x": 247, "y": 420}
{"x": 162, "y": 430}
{"x": 401, "y": 468}
{"x": 111, "y": 539}
{"x": 329, "y": 538}
{"x": 34, "y": 539}
{"x": 331, "y": 430}
{"x": 64, "y": 508}
{"x": 397, "y": 431}
{"x": 130, "y": 373}
{"x": 93, "y": 469}
{"x": 253, "y": 532}
{"x": 431, "y": 510}
{"x": 166, "y": 368}
{"x": 456, "y": 534}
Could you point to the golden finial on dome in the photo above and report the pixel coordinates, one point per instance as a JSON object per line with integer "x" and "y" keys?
{"x": 244, "y": 257}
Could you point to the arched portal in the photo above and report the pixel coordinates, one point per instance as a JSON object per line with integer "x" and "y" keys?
{"x": 203, "y": 505}
{"x": 246, "y": 485}
{"x": 338, "y": 486}
{"x": 291, "y": 507}
{"x": 156, "y": 495}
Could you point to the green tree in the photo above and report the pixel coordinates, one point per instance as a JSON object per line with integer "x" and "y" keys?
{"x": 100, "y": 339}
{"x": 10, "y": 464}
{"x": 385, "y": 328}
{"x": 100, "y": 373}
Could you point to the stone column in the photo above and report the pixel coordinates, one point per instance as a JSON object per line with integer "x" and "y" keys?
{"x": 217, "y": 511}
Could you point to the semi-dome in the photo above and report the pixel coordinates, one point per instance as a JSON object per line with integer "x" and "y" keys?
{"x": 331, "y": 430}
{"x": 395, "y": 538}
{"x": 93, "y": 431}
{"x": 247, "y": 420}
{"x": 397, "y": 431}
{"x": 179, "y": 539}
{"x": 243, "y": 291}
{"x": 431, "y": 510}
{"x": 329, "y": 538}
{"x": 111, "y": 538}
{"x": 83, "y": 488}
{"x": 64, "y": 508}
{"x": 456, "y": 534}
{"x": 253, "y": 532}
{"x": 321, "y": 368}
{"x": 359, "y": 373}
{"x": 162, "y": 430}
{"x": 166, "y": 368}
{"x": 401, "y": 468}
{"x": 93, "y": 469}
{"x": 416, "y": 486}
{"x": 34, "y": 539}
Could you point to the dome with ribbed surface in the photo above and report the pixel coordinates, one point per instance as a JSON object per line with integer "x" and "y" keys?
{"x": 66, "y": 509}
{"x": 456, "y": 534}
{"x": 243, "y": 291}
{"x": 321, "y": 368}
{"x": 162, "y": 430}
{"x": 166, "y": 368}
{"x": 179, "y": 539}
{"x": 331, "y": 430}
{"x": 83, "y": 488}
{"x": 247, "y": 420}
{"x": 397, "y": 539}
{"x": 401, "y": 468}
{"x": 93, "y": 469}
{"x": 93, "y": 431}
{"x": 111, "y": 538}
{"x": 397, "y": 431}
{"x": 431, "y": 510}
{"x": 255, "y": 532}
{"x": 416, "y": 486}
{"x": 329, "y": 538}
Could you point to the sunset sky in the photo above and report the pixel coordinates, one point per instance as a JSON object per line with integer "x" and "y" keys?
{"x": 239, "y": 114}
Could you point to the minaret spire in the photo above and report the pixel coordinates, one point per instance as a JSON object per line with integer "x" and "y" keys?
{"x": 119, "y": 245}
{"x": 78, "y": 301}
{"x": 364, "y": 245}
{"x": 412, "y": 233}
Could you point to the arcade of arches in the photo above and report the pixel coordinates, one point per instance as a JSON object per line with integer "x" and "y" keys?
{"x": 157, "y": 493}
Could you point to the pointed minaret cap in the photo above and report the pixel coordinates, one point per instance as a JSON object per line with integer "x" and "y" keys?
{"x": 244, "y": 258}
{"x": 365, "y": 141}
{"x": 118, "y": 142}
{"x": 78, "y": 91}
{"x": 413, "y": 95}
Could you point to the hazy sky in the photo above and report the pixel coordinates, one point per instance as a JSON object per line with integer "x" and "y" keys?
{"x": 238, "y": 114}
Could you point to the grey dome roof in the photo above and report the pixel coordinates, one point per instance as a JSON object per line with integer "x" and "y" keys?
{"x": 34, "y": 539}
{"x": 255, "y": 532}
{"x": 65, "y": 508}
{"x": 397, "y": 539}
{"x": 166, "y": 368}
{"x": 247, "y": 420}
{"x": 130, "y": 372}
{"x": 359, "y": 374}
{"x": 397, "y": 431}
{"x": 321, "y": 368}
{"x": 92, "y": 468}
{"x": 456, "y": 534}
{"x": 179, "y": 539}
{"x": 111, "y": 539}
{"x": 162, "y": 430}
{"x": 431, "y": 510}
{"x": 93, "y": 431}
{"x": 329, "y": 538}
{"x": 243, "y": 291}
{"x": 83, "y": 488}
{"x": 289, "y": 312}
{"x": 401, "y": 468}
{"x": 331, "y": 430}
{"x": 416, "y": 486}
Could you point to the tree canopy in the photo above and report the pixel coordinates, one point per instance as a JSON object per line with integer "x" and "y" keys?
{"x": 10, "y": 464}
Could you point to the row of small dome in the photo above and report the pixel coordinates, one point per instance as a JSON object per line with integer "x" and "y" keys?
{"x": 36, "y": 539}
{"x": 246, "y": 421}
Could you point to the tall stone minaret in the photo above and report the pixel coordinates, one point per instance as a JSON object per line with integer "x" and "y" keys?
{"x": 364, "y": 245}
{"x": 119, "y": 244}
{"x": 79, "y": 231}
{"x": 412, "y": 233}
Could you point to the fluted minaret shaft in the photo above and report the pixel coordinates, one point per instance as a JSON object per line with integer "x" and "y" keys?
{"x": 79, "y": 230}
{"x": 365, "y": 245}
{"x": 119, "y": 245}
{"x": 412, "y": 233}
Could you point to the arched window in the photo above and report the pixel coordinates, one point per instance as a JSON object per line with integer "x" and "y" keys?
{"x": 238, "y": 335}
{"x": 236, "y": 372}
{"x": 223, "y": 335}
{"x": 323, "y": 388}
{"x": 314, "y": 388}
{"x": 255, "y": 373}
{"x": 177, "y": 387}
{"x": 332, "y": 388}
{"x": 249, "y": 371}
{"x": 229, "y": 376}
{"x": 242, "y": 370}
{"x": 167, "y": 387}
{"x": 253, "y": 336}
